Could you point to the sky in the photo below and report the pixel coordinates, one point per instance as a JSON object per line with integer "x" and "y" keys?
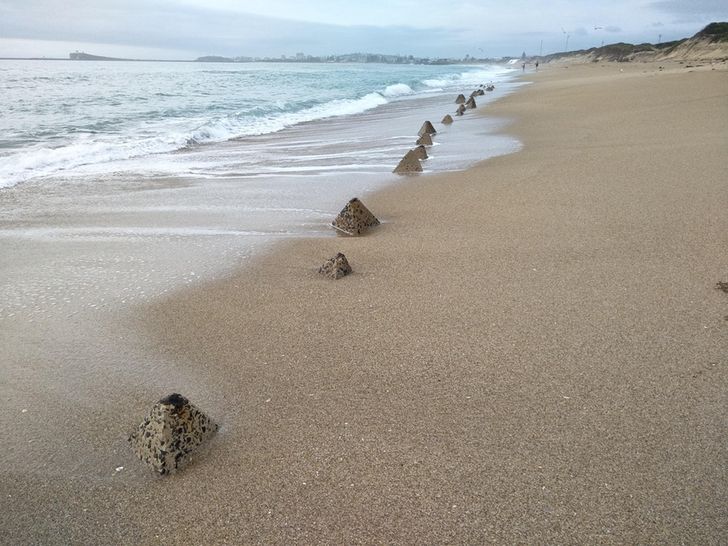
{"x": 187, "y": 29}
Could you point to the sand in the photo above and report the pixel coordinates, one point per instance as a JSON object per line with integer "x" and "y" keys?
{"x": 530, "y": 351}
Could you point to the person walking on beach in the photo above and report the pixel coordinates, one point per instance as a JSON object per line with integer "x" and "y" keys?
{"x": 523, "y": 66}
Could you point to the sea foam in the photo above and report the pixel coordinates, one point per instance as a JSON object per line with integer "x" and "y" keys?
{"x": 397, "y": 90}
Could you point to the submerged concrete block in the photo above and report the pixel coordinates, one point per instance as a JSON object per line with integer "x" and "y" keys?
{"x": 173, "y": 429}
{"x": 460, "y": 111}
{"x": 336, "y": 267}
{"x": 354, "y": 218}
{"x": 447, "y": 120}
{"x": 425, "y": 140}
{"x": 427, "y": 128}
{"x": 460, "y": 99}
{"x": 409, "y": 164}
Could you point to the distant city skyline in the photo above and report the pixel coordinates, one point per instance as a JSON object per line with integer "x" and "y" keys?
{"x": 187, "y": 29}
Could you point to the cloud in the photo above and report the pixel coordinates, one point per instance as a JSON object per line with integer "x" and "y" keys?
{"x": 712, "y": 8}
{"x": 421, "y": 27}
{"x": 164, "y": 25}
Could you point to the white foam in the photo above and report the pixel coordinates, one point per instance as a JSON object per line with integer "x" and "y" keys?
{"x": 91, "y": 154}
{"x": 476, "y": 76}
{"x": 227, "y": 128}
{"x": 40, "y": 161}
{"x": 437, "y": 83}
{"x": 397, "y": 90}
{"x": 122, "y": 232}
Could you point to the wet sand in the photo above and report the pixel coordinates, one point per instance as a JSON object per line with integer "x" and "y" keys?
{"x": 532, "y": 350}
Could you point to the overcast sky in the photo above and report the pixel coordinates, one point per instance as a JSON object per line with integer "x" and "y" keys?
{"x": 183, "y": 29}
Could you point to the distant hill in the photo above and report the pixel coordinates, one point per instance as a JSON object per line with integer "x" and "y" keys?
{"x": 711, "y": 43}
{"x": 214, "y": 59}
{"x": 81, "y": 56}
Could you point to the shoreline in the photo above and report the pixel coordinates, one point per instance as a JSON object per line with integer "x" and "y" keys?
{"x": 530, "y": 350}
{"x": 126, "y": 238}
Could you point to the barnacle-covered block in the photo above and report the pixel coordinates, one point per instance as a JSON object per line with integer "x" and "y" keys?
{"x": 354, "y": 218}
{"x": 173, "y": 429}
{"x": 336, "y": 267}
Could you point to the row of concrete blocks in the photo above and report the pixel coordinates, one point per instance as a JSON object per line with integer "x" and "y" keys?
{"x": 355, "y": 219}
{"x": 175, "y": 427}
{"x": 411, "y": 161}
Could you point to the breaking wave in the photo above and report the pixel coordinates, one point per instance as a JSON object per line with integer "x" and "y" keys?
{"x": 397, "y": 90}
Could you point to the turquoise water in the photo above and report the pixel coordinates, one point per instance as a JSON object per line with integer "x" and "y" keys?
{"x": 71, "y": 118}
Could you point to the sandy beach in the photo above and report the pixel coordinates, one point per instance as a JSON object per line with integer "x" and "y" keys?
{"x": 529, "y": 351}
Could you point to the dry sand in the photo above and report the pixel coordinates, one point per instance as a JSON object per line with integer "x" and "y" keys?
{"x": 531, "y": 351}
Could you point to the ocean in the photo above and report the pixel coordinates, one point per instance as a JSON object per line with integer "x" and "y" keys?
{"x": 78, "y": 119}
{"x": 135, "y": 177}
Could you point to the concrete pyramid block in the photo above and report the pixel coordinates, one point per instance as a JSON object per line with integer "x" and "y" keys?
{"x": 460, "y": 111}
{"x": 420, "y": 152}
{"x": 427, "y": 128}
{"x": 447, "y": 120}
{"x": 354, "y": 218}
{"x": 477, "y": 92}
{"x": 336, "y": 267}
{"x": 460, "y": 99}
{"x": 471, "y": 103}
{"x": 173, "y": 429}
{"x": 409, "y": 164}
{"x": 425, "y": 140}
{"x": 490, "y": 87}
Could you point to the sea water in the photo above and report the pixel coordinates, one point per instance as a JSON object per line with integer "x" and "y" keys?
{"x": 122, "y": 180}
{"x": 73, "y": 119}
